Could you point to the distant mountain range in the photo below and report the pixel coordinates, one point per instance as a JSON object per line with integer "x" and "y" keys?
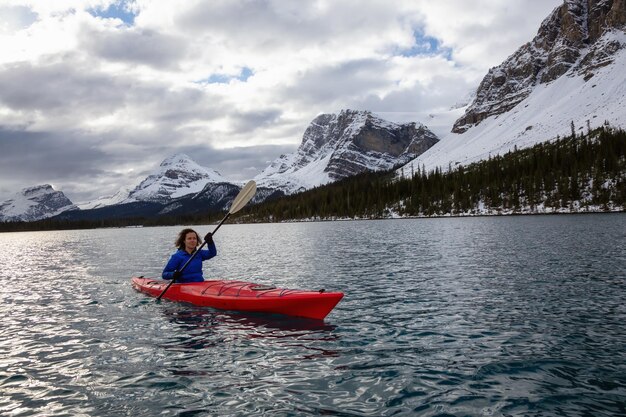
{"x": 572, "y": 75}
{"x": 333, "y": 147}
{"x": 176, "y": 176}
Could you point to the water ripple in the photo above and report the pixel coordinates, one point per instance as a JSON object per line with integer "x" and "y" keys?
{"x": 446, "y": 317}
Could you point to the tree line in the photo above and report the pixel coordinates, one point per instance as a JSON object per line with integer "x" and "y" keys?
{"x": 584, "y": 172}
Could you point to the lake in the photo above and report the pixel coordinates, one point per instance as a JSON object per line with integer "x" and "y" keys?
{"x": 486, "y": 316}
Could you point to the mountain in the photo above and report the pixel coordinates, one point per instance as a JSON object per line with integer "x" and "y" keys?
{"x": 177, "y": 176}
{"x": 35, "y": 203}
{"x": 178, "y": 186}
{"x": 572, "y": 41}
{"x": 213, "y": 197}
{"x": 118, "y": 197}
{"x": 336, "y": 146}
{"x": 572, "y": 75}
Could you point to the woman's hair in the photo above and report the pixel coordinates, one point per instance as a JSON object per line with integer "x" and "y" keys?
{"x": 180, "y": 241}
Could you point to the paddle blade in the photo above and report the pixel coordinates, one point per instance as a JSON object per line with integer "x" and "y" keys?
{"x": 245, "y": 195}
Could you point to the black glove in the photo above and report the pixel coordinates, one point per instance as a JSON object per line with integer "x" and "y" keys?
{"x": 209, "y": 238}
{"x": 176, "y": 275}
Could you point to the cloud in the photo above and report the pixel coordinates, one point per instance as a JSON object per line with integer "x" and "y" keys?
{"x": 29, "y": 158}
{"x": 485, "y": 32}
{"x": 330, "y": 84}
{"x": 134, "y": 46}
{"x": 248, "y": 122}
{"x": 15, "y": 18}
{"x": 58, "y": 86}
{"x": 274, "y": 26}
{"x": 241, "y": 163}
{"x": 98, "y": 92}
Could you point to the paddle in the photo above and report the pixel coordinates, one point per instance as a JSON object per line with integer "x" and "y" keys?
{"x": 245, "y": 195}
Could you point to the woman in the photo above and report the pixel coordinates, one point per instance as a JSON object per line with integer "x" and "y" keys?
{"x": 187, "y": 243}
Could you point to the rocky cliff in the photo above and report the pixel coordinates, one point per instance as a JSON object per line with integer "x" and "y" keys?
{"x": 571, "y": 41}
{"x": 336, "y": 146}
{"x": 35, "y": 203}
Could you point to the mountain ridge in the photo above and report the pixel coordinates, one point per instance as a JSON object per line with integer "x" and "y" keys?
{"x": 35, "y": 203}
{"x": 568, "y": 38}
{"x": 177, "y": 176}
{"x": 342, "y": 144}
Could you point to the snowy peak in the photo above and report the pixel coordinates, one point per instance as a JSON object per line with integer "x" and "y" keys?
{"x": 118, "y": 197}
{"x": 37, "y": 191}
{"x": 571, "y": 41}
{"x": 336, "y": 146}
{"x": 327, "y": 130}
{"x": 35, "y": 203}
{"x": 177, "y": 176}
{"x": 180, "y": 160}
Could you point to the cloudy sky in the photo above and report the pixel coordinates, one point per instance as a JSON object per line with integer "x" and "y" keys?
{"x": 94, "y": 94}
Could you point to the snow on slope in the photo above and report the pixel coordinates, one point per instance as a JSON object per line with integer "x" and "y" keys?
{"x": 116, "y": 198}
{"x": 35, "y": 203}
{"x": 335, "y": 146}
{"x": 177, "y": 176}
{"x": 295, "y": 179}
{"x": 306, "y": 168}
{"x": 545, "y": 114}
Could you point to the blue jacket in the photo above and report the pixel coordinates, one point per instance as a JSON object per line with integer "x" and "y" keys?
{"x": 193, "y": 271}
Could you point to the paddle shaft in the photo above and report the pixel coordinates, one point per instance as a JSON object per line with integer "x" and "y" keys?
{"x": 192, "y": 256}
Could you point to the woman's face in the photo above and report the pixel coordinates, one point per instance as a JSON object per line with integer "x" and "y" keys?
{"x": 191, "y": 241}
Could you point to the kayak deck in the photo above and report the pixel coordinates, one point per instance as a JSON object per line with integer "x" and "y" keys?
{"x": 244, "y": 296}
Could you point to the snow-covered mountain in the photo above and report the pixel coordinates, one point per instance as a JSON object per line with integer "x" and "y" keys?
{"x": 177, "y": 176}
{"x": 118, "y": 197}
{"x": 336, "y": 146}
{"x": 572, "y": 72}
{"x": 573, "y": 40}
{"x": 216, "y": 196}
{"x": 35, "y": 203}
{"x": 178, "y": 186}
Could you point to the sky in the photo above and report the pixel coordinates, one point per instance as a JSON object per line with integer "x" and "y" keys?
{"x": 94, "y": 94}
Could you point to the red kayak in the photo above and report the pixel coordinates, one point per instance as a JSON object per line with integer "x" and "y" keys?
{"x": 245, "y": 296}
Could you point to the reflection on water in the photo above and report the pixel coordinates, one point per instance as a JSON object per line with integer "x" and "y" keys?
{"x": 483, "y": 316}
{"x": 201, "y": 325}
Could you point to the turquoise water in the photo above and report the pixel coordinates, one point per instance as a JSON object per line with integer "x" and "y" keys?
{"x": 490, "y": 316}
